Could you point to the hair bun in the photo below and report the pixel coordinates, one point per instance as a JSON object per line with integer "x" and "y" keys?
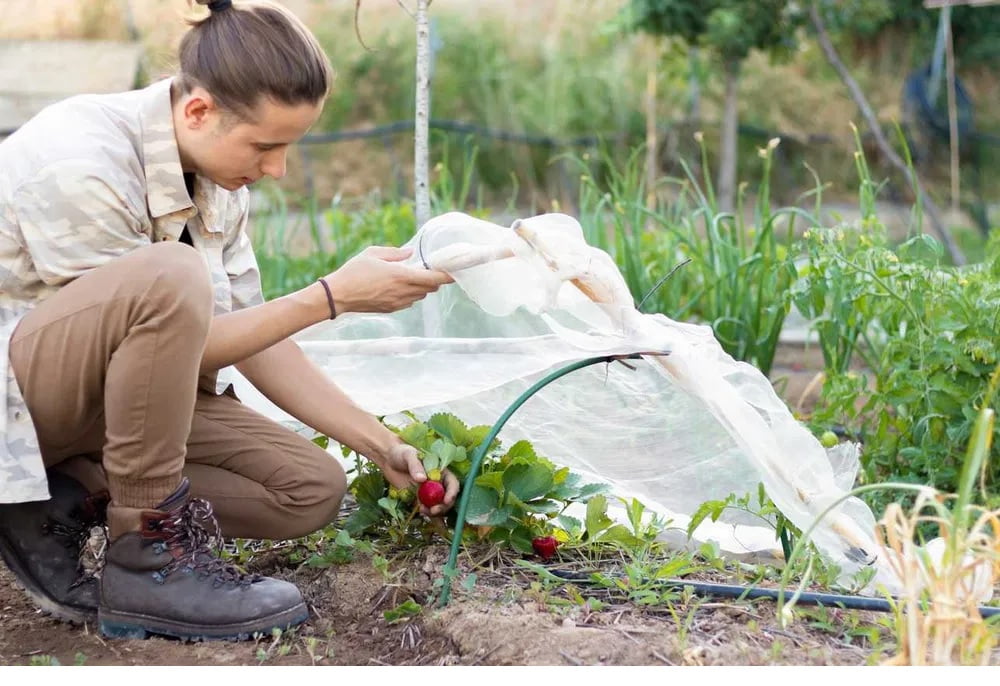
{"x": 216, "y": 5}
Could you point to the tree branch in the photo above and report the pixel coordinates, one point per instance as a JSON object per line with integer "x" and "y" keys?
{"x": 823, "y": 37}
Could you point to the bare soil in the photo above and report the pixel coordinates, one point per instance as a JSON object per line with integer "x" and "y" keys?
{"x": 503, "y": 620}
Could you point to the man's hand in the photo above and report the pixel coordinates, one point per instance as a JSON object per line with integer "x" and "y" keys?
{"x": 402, "y": 469}
{"x": 375, "y": 280}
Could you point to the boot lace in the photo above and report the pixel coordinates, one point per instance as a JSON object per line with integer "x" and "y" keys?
{"x": 194, "y": 530}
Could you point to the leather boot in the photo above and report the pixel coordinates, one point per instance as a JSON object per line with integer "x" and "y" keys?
{"x": 47, "y": 545}
{"x": 166, "y": 578}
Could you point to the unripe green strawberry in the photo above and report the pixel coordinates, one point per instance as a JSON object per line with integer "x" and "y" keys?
{"x": 829, "y": 439}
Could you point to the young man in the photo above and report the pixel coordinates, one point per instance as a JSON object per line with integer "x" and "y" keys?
{"x": 127, "y": 282}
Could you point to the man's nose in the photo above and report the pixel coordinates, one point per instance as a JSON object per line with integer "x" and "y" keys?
{"x": 275, "y": 164}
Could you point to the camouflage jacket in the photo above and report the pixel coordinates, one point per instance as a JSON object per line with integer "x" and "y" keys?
{"x": 83, "y": 182}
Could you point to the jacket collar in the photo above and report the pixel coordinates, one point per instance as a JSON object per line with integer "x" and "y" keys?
{"x": 165, "y": 190}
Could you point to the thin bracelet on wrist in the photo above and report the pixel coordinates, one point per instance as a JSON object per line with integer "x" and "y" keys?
{"x": 329, "y": 298}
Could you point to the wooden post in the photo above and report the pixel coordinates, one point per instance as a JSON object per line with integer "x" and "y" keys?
{"x": 421, "y": 168}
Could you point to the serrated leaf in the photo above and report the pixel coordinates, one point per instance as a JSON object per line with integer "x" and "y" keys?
{"x": 522, "y": 450}
{"x": 588, "y": 491}
{"x": 365, "y": 517}
{"x": 416, "y": 434}
{"x": 450, "y": 427}
{"x": 492, "y": 480}
{"x": 477, "y": 435}
{"x": 597, "y": 516}
{"x": 708, "y": 508}
{"x": 619, "y": 534}
{"x": 520, "y": 539}
{"x": 571, "y": 524}
{"x": 543, "y": 506}
{"x": 568, "y": 489}
{"x": 389, "y": 505}
{"x": 527, "y": 481}
{"x": 484, "y": 508}
{"x": 561, "y": 475}
{"x": 635, "y": 510}
{"x": 368, "y": 487}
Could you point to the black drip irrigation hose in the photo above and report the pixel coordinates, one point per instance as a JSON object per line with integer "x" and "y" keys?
{"x": 851, "y": 602}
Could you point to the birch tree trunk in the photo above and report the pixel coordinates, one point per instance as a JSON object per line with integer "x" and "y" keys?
{"x": 422, "y": 119}
{"x": 869, "y": 116}
{"x": 728, "y": 152}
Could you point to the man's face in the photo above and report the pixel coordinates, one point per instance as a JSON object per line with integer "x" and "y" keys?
{"x": 233, "y": 152}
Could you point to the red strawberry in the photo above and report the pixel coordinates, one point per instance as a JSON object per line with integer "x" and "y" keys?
{"x": 431, "y": 493}
{"x": 545, "y": 546}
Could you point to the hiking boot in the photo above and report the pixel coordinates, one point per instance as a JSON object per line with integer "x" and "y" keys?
{"x": 167, "y": 579}
{"x": 47, "y": 543}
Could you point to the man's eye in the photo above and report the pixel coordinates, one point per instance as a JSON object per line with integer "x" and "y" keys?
{"x": 265, "y": 148}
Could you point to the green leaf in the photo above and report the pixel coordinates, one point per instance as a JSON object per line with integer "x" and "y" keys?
{"x": 431, "y": 461}
{"x": 368, "y": 487}
{"x": 597, "y": 516}
{"x": 403, "y": 612}
{"x": 562, "y": 475}
{"x": 477, "y": 435}
{"x": 617, "y": 534}
{"x": 520, "y": 539}
{"x": 322, "y": 441}
{"x": 568, "y": 488}
{"x": 522, "y": 451}
{"x": 484, "y": 508}
{"x": 588, "y": 491}
{"x": 712, "y": 508}
{"x": 417, "y": 434}
{"x": 365, "y": 517}
{"x": 492, "y": 480}
{"x": 389, "y": 505}
{"x": 528, "y": 481}
{"x": 538, "y": 569}
{"x": 543, "y": 506}
{"x": 572, "y": 525}
{"x": 635, "y": 510}
{"x": 450, "y": 427}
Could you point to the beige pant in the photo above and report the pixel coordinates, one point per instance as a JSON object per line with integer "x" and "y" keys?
{"x": 108, "y": 367}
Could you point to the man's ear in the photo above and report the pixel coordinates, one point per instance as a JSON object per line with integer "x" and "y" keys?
{"x": 199, "y": 108}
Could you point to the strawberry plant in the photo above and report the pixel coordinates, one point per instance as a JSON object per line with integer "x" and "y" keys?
{"x": 518, "y": 497}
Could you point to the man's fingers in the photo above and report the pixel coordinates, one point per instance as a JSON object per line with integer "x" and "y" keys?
{"x": 450, "y": 488}
{"x": 415, "y": 467}
{"x": 430, "y": 278}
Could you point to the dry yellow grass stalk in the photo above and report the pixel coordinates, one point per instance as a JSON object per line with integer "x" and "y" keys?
{"x": 937, "y": 616}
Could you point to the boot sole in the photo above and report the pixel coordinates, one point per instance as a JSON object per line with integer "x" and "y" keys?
{"x": 137, "y": 626}
{"x": 46, "y": 603}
